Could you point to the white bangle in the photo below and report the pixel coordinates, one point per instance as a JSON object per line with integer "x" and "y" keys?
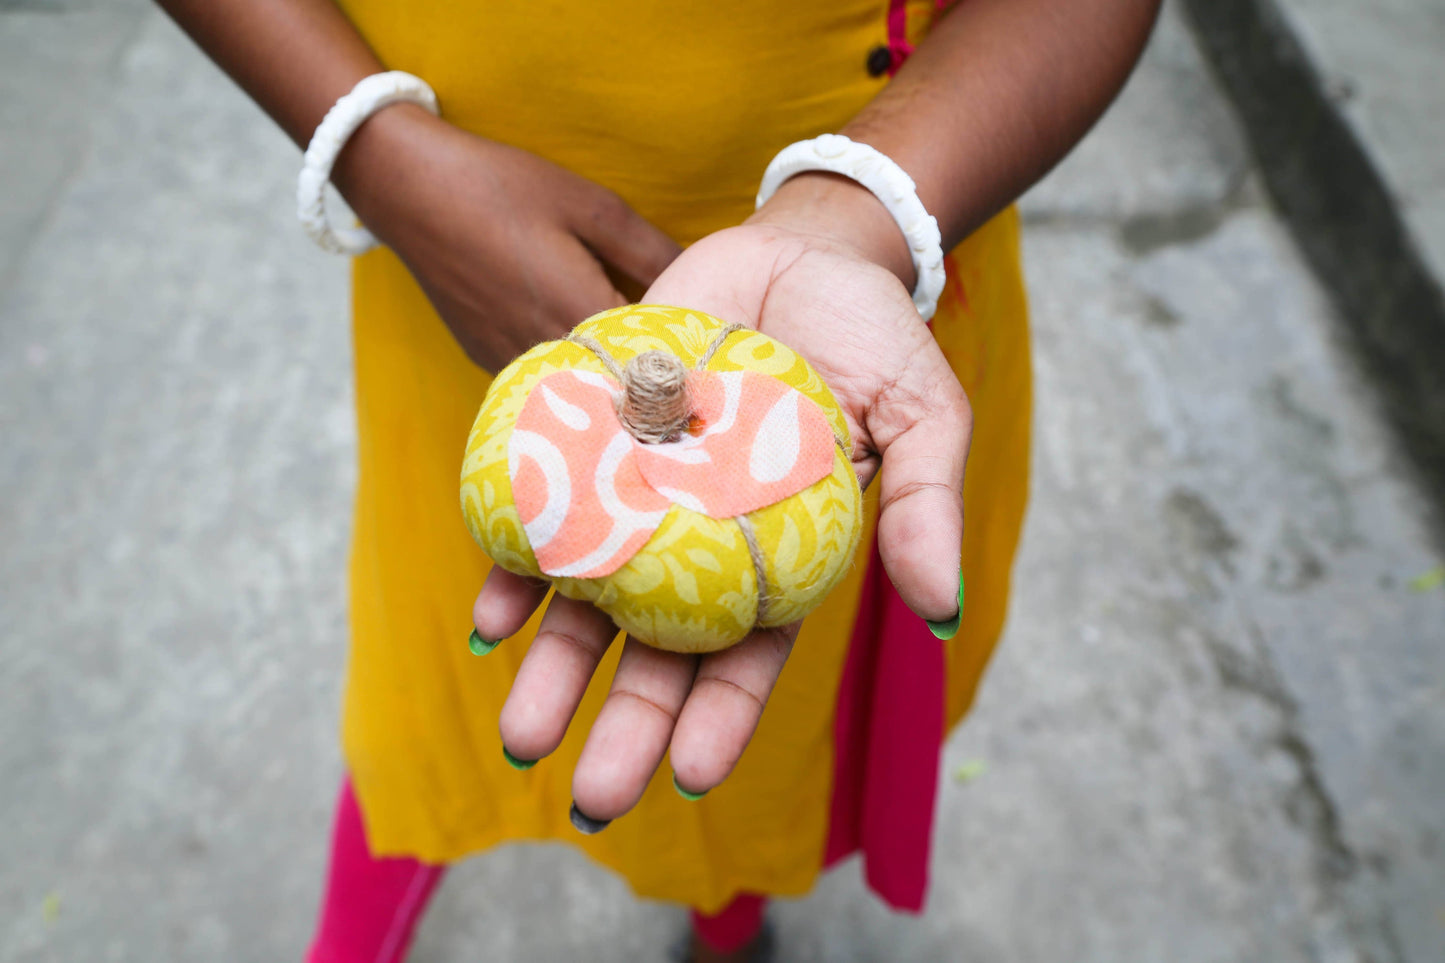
{"x": 889, "y": 183}
{"x": 340, "y": 122}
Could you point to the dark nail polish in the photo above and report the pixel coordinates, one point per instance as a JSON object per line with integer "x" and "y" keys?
{"x": 520, "y": 765}
{"x": 479, "y": 645}
{"x": 689, "y": 796}
{"x": 586, "y": 825}
{"x": 948, "y": 628}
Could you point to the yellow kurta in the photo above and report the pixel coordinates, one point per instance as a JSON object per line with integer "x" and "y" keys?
{"x": 678, "y": 108}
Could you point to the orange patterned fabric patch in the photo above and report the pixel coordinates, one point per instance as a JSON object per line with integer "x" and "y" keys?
{"x": 590, "y": 495}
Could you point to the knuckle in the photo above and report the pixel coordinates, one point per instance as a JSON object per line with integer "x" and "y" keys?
{"x": 609, "y": 213}
{"x": 647, "y": 704}
{"x": 589, "y": 648}
{"x": 733, "y": 690}
{"x": 911, "y": 489}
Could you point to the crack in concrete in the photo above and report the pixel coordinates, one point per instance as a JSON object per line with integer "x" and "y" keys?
{"x": 1244, "y": 663}
{"x": 1308, "y": 805}
{"x": 1149, "y": 232}
{"x": 1344, "y": 216}
{"x": 1197, "y": 524}
{"x": 1143, "y": 234}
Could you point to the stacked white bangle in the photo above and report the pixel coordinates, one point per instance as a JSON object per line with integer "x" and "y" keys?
{"x": 340, "y": 122}
{"x": 889, "y": 183}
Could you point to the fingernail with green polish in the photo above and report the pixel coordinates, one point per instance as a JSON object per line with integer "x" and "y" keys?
{"x": 479, "y": 645}
{"x": 586, "y": 825}
{"x": 521, "y": 765}
{"x": 689, "y": 796}
{"x": 948, "y": 629}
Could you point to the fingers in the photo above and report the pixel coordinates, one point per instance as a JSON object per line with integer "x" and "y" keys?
{"x": 578, "y": 287}
{"x": 920, "y": 499}
{"x": 503, "y": 606}
{"x": 623, "y": 238}
{"x": 631, "y": 732}
{"x": 707, "y": 715}
{"x": 727, "y": 700}
{"x": 553, "y": 677}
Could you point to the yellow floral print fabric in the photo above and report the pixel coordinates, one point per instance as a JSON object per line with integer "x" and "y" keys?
{"x": 693, "y": 586}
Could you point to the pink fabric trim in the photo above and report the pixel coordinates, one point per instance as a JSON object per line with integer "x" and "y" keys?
{"x": 888, "y": 734}
{"x": 734, "y": 926}
{"x": 371, "y": 906}
{"x": 898, "y": 44}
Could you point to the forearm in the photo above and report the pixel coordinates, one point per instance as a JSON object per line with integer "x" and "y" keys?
{"x": 997, "y": 94}
{"x": 295, "y": 58}
{"x": 991, "y": 100}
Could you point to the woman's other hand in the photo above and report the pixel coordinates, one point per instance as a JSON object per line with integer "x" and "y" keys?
{"x": 509, "y": 248}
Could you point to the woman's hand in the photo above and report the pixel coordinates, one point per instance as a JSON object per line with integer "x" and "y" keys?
{"x": 823, "y": 268}
{"x": 509, "y": 248}
{"x": 809, "y": 270}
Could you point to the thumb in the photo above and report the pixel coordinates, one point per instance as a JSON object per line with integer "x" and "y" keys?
{"x": 920, "y": 520}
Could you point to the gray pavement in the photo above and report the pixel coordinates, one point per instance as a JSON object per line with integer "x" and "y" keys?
{"x": 1215, "y": 731}
{"x": 1381, "y": 63}
{"x": 1343, "y": 107}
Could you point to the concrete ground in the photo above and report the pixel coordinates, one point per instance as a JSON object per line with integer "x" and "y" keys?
{"x": 1381, "y": 62}
{"x": 1215, "y": 731}
{"x": 1345, "y": 116}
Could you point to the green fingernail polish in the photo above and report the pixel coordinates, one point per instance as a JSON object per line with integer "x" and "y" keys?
{"x": 689, "y": 796}
{"x": 521, "y": 765}
{"x": 479, "y": 645}
{"x": 948, "y": 629}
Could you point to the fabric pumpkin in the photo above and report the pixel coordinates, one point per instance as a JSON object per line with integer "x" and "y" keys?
{"x": 738, "y": 509}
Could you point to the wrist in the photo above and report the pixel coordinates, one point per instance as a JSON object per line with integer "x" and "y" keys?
{"x": 842, "y": 212}
{"x": 374, "y": 163}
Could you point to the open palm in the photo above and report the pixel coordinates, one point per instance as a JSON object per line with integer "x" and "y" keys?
{"x": 907, "y": 414}
{"x": 857, "y": 326}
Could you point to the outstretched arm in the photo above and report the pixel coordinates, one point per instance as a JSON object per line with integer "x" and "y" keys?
{"x": 989, "y": 102}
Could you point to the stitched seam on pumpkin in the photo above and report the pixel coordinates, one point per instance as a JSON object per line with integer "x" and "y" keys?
{"x": 755, "y": 552}
{"x": 716, "y": 345}
{"x": 593, "y": 345}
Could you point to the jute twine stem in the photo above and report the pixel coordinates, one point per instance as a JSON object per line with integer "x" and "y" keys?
{"x": 655, "y": 405}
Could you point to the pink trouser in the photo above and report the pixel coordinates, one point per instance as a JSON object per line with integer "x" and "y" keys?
{"x": 372, "y": 905}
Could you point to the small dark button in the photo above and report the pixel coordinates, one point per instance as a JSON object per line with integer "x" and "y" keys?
{"x": 879, "y": 60}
